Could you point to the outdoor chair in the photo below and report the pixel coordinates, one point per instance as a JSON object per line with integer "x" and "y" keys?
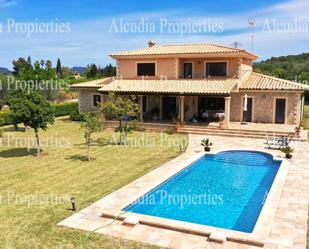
{"x": 279, "y": 142}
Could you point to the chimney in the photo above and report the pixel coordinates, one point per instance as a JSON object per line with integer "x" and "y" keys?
{"x": 151, "y": 44}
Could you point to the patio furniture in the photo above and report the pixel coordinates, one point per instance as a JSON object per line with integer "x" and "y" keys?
{"x": 210, "y": 115}
{"x": 279, "y": 142}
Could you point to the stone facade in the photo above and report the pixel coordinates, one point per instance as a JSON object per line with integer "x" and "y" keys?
{"x": 86, "y": 99}
{"x": 264, "y": 106}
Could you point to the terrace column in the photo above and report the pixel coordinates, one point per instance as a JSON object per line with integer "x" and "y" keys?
{"x": 181, "y": 109}
{"x": 227, "y": 110}
{"x": 141, "y": 108}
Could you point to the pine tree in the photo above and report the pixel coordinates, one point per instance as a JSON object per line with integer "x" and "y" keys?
{"x": 92, "y": 71}
{"x": 59, "y": 68}
{"x": 29, "y": 61}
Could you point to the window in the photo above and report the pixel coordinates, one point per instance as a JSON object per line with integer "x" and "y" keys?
{"x": 146, "y": 69}
{"x": 211, "y": 104}
{"x": 96, "y": 100}
{"x": 216, "y": 69}
{"x": 187, "y": 70}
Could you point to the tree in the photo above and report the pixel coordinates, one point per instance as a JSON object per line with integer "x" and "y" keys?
{"x": 29, "y": 62}
{"x": 59, "y": 68}
{"x": 33, "y": 110}
{"x": 109, "y": 71}
{"x": 291, "y": 67}
{"x": 91, "y": 125}
{"x": 121, "y": 108}
{"x": 1, "y": 131}
{"x": 4, "y": 90}
{"x": 92, "y": 71}
{"x": 20, "y": 66}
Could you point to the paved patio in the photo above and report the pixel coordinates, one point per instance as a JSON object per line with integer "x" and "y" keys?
{"x": 288, "y": 227}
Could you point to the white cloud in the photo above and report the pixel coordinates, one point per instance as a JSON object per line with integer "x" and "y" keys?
{"x": 7, "y": 3}
{"x": 90, "y": 40}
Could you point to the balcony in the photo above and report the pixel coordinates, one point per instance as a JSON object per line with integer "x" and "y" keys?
{"x": 203, "y": 69}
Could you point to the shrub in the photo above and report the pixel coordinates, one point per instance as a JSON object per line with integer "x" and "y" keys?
{"x": 77, "y": 116}
{"x": 1, "y": 131}
{"x": 287, "y": 150}
{"x": 128, "y": 129}
{"x": 170, "y": 130}
{"x": 206, "y": 143}
{"x": 64, "y": 109}
{"x": 6, "y": 117}
{"x": 135, "y": 126}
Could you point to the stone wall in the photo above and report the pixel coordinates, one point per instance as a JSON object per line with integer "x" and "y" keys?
{"x": 264, "y": 106}
{"x": 86, "y": 100}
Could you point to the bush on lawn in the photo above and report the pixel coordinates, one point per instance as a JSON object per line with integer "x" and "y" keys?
{"x": 136, "y": 126}
{"x": 6, "y": 118}
{"x": 77, "y": 116}
{"x": 64, "y": 109}
{"x": 170, "y": 130}
{"x": 127, "y": 129}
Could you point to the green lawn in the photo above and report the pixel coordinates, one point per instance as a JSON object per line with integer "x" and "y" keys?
{"x": 34, "y": 192}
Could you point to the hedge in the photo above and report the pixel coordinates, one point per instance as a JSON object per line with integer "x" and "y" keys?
{"x": 6, "y": 118}
{"x": 62, "y": 109}
{"x": 65, "y": 109}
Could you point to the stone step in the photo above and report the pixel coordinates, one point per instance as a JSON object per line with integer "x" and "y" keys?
{"x": 262, "y": 133}
{"x": 226, "y": 134}
{"x": 233, "y": 134}
{"x": 211, "y": 128}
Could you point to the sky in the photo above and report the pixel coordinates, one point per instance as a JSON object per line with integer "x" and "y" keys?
{"x": 84, "y": 32}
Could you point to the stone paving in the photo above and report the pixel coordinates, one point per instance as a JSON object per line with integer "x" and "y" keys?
{"x": 288, "y": 227}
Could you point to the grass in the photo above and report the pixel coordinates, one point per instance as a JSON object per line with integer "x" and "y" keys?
{"x": 35, "y": 192}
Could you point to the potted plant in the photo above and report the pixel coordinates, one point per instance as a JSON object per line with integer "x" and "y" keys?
{"x": 288, "y": 152}
{"x": 297, "y": 131}
{"x": 206, "y": 144}
{"x": 155, "y": 113}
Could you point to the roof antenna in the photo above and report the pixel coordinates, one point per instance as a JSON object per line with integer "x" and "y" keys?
{"x": 236, "y": 45}
{"x": 251, "y": 23}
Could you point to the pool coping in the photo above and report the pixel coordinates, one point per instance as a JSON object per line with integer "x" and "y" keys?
{"x": 112, "y": 205}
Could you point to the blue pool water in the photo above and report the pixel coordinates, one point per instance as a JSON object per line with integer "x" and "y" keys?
{"x": 225, "y": 190}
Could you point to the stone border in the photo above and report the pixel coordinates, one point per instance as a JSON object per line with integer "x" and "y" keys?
{"x": 112, "y": 205}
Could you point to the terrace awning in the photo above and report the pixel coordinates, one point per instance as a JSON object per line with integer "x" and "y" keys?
{"x": 179, "y": 87}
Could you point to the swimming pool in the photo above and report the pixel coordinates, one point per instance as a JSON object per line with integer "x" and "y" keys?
{"x": 226, "y": 190}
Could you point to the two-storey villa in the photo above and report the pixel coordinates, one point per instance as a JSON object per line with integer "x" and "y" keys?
{"x": 198, "y": 83}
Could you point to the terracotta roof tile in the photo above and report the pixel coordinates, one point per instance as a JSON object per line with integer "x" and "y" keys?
{"x": 92, "y": 84}
{"x": 182, "y": 49}
{"x": 263, "y": 82}
{"x": 182, "y": 86}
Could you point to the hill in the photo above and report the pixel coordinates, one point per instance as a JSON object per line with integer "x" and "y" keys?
{"x": 4, "y": 70}
{"x": 79, "y": 69}
{"x": 291, "y": 67}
